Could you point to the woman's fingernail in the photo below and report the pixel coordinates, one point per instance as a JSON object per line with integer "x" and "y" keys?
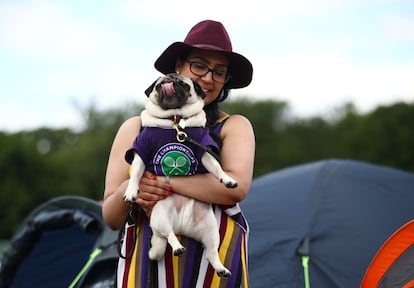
{"x": 170, "y": 193}
{"x": 152, "y": 176}
{"x": 169, "y": 188}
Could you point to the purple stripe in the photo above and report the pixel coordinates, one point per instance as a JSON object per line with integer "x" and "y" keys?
{"x": 189, "y": 263}
{"x": 145, "y": 259}
{"x": 236, "y": 261}
{"x": 242, "y": 221}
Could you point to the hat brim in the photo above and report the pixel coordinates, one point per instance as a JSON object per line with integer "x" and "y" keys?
{"x": 240, "y": 68}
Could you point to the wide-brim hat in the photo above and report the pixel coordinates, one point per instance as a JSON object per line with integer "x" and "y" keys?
{"x": 208, "y": 35}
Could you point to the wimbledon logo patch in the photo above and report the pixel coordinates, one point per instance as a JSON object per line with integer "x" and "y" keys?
{"x": 175, "y": 159}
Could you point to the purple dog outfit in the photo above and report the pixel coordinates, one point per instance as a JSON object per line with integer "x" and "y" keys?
{"x": 164, "y": 155}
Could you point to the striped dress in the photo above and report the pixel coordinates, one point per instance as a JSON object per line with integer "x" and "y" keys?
{"x": 192, "y": 269}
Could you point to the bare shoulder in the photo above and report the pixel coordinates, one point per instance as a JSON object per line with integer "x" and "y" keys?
{"x": 130, "y": 127}
{"x": 127, "y": 132}
{"x": 237, "y": 123}
{"x": 133, "y": 123}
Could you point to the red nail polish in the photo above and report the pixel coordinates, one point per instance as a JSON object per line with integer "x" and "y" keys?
{"x": 169, "y": 188}
{"x": 152, "y": 176}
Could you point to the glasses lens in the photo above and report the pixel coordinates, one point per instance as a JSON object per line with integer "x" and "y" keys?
{"x": 198, "y": 69}
{"x": 201, "y": 70}
{"x": 220, "y": 76}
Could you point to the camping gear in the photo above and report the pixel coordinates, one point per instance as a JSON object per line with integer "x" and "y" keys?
{"x": 62, "y": 243}
{"x": 393, "y": 265}
{"x": 320, "y": 224}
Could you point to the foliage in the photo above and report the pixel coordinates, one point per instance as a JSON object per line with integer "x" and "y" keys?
{"x": 45, "y": 163}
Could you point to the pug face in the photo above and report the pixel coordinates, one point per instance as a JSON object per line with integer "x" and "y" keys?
{"x": 173, "y": 91}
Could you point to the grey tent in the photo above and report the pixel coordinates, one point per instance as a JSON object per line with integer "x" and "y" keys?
{"x": 320, "y": 224}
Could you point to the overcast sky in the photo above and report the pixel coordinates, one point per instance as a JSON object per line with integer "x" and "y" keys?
{"x": 316, "y": 55}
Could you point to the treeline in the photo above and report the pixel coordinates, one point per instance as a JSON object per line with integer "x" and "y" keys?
{"x": 38, "y": 165}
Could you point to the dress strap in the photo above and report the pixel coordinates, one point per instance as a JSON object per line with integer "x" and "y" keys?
{"x": 223, "y": 118}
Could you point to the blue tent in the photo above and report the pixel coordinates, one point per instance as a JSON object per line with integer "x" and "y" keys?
{"x": 320, "y": 224}
{"x": 62, "y": 243}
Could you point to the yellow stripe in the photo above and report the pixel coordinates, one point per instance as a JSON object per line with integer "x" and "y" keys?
{"x": 223, "y": 249}
{"x": 132, "y": 268}
{"x": 175, "y": 269}
{"x": 245, "y": 280}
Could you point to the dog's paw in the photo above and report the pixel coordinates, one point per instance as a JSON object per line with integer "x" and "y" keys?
{"x": 230, "y": 183}
{"x": 130, "y": 194}
{"x": 180, "y": 251}
{"x": 129, "y": 198}
{"x": 224, "y": 273}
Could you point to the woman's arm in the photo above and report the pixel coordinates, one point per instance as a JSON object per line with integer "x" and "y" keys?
{"x": 114, "y": 208}
{"x": 237, "y": 157}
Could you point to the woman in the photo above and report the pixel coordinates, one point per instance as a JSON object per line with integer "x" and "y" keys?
{"x": 206, "y": 56}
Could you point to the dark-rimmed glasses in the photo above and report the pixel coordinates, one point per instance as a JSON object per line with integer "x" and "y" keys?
{"x": 201, "y": 70}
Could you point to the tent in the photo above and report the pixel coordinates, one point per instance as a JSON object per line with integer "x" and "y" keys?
{"x": 62, "y": 243}
{"x": 321, "y": 223}
{"x": 393, "y": 265}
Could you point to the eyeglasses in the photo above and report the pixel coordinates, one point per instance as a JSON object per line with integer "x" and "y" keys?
{"x": 201, "y": 70}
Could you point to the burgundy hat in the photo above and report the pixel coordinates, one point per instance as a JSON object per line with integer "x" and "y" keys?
{"x": 208, "y": 35}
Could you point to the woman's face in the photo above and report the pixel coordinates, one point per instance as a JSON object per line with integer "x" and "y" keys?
{"x": 198, "y": 60}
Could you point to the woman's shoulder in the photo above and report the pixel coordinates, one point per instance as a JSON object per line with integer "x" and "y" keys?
{"x": 132, "y": 123}
{"x": 236, "y": 120}
{"x": 130, "y": 127}
{"x": 237, "y": 123}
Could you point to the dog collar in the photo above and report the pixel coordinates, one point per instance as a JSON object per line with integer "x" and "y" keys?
{"x": 176, "y": 118}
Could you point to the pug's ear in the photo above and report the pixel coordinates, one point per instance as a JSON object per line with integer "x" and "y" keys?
{"x": 150, "y": 88}
{"x": 198, "y": 90}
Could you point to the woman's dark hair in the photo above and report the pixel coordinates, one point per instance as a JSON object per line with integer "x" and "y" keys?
{"x": 212, "y": 109}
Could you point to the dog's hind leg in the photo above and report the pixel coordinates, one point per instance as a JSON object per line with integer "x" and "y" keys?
{"x": 158, "y": 246}
{"x": 178, "y": 249}
{"x": 162, "y": 226}
{"x": 213, "y": 166}
{"x": 211, "y": 240}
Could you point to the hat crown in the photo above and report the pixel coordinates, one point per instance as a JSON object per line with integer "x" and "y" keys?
{"x": 210, "y": 35}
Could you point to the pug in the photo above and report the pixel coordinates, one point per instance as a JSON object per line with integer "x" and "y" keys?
{"x": 174, "y": 141}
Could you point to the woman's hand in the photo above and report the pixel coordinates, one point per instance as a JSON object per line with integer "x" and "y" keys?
{"x": 152, "y": 189}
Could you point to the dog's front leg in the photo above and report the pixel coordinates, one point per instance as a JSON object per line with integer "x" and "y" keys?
{"x": 213, "y": 166}
{"x": 137, "y": 171}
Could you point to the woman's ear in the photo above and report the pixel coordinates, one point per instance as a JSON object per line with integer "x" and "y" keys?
{"x": 178, "y": 65}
